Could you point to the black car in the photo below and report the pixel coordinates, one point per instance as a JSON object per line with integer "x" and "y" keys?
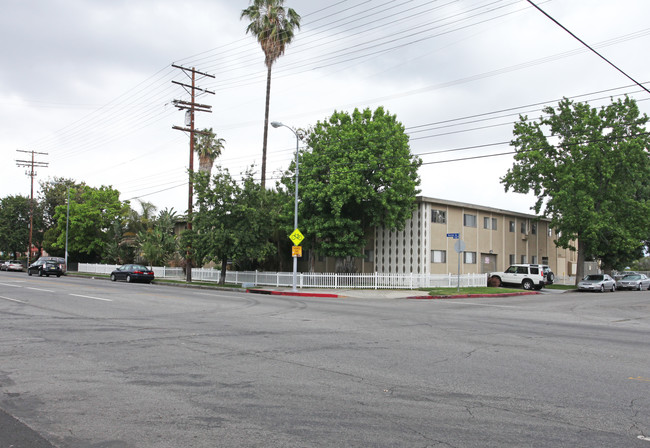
{"x": 59, "y": 260}
{"x": 45, "y": 267}
{"x": 133, "y": 273}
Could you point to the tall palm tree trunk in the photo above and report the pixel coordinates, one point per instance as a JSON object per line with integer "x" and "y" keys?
{"x": 266, "y": 124}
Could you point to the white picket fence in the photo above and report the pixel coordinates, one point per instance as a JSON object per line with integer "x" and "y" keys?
{"x": 310, "y": 279}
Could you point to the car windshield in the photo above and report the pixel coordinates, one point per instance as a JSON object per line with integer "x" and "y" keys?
{"x": 632, "y": 277}
{"x": 594, "y": 277}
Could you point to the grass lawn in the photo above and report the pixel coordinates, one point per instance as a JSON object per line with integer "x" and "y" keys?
{"x": 564, "y": 287}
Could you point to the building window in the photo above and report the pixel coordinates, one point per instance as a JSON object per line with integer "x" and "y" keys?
{"x": 512, "y": 259}
{"x": 470, "y": 257}
{"x": 533, "y": 259}
{"x": 545, "y": 260}
{"x": 512, "y": 226}
{"x": 523, "y": 227}
{"x": 523, "y": 259}
{"x": 489, "y": 223}
{"x": 368, "y": 255}
{"x": 438, "y": 256}
{"x": 469, "y": 220}
{"x": 439, "y": 216}
{"x": 533, "y": 228}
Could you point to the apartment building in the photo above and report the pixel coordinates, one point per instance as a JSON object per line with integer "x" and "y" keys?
{"x": 492, "y": 238}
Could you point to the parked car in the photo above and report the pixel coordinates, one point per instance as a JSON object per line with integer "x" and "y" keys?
{"x": 634, "y": 281}
{"x": 549, "y": 277}
{"x": 133, "y": 273}
{"x": 528, "y": 276}
{"x": 45, "y": 267}
{"x": 13, "y": 265}
{"x": 597, "y": 282}
{"x": 58, "y": 260}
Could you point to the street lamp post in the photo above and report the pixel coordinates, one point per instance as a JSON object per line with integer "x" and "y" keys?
{"x": 277, "y": 124}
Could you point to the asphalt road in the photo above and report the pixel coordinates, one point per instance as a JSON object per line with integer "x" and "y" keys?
{"x": 89, "y": 363}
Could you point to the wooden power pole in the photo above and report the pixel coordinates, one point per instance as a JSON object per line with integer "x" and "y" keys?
{"x": 31, "y": 172}
{"x": 190, "y": 108}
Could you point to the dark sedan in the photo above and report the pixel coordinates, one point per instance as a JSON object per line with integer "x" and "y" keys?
{"x": 133, "y": 273}
{"x": 45, "y": 267}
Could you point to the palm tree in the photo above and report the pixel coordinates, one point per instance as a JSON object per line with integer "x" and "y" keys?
{"x": 208, "y": 147}
{"x": 273, "y": 26}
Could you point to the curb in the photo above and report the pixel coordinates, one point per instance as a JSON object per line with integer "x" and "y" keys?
{"x": 474, "y": 296}
{"x": 291, "y": 293}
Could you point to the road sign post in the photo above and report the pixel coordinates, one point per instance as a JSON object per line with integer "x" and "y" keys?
{"x": 459, "y": 247}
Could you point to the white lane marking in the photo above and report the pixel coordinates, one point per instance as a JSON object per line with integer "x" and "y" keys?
{"x": 91, "y": 297}
{"x": 12, "y": 300}
{"x": 647, "y": 439}
{"x": 13, "y": 286}
{"x": 37, "y": 289}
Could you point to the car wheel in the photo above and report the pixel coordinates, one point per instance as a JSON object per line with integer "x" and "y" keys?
{"x": 40, "y": 273}
{"x": 602, "y": 288}
{"x": 613, "y": 288}
{"x": 29, "y": 272}
{"x": 495, "y": 281}
{"x": 58, "y": 275}
{"x": 128, "y": 279}
{"x": 113, "y": 277}
{"x": 527, "y": 284}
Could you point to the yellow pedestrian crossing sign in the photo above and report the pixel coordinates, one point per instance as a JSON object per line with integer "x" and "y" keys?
{"x": 296, "y": 237}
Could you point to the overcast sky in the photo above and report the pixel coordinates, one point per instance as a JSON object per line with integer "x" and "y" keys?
{"x": 90, "y": 84}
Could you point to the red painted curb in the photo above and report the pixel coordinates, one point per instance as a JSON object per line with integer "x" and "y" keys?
{"x": 473, "y": 296}
{"x": 291, "y": 293}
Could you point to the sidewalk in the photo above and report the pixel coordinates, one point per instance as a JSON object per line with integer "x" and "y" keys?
{"x": 343, "y": 293}
{"x": 376, "y": 293}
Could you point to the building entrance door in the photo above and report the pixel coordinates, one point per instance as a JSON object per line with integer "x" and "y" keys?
{"x": 488, "y": 263}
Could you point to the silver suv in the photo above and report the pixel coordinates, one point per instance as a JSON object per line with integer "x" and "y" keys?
{"x": 528, "y": 276}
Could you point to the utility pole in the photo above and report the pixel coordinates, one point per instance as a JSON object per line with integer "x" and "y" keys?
{"x": 190, "y": 107}
{"x": 31, "y": 164}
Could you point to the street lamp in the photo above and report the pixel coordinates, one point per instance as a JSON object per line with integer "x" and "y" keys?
{"x": 277, "y": 124}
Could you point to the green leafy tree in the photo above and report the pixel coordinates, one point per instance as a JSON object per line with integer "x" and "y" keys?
{"x": 54, "y": 192}
{"x": 159, "y": 243}
{"x": 14, "y": 225}
{"x": 119, "y": 248}
{"x": 208, "y": 147}
{"x": 92, "y": 218}
{"x": 232, "y": 221}
{"x": 273, "y": 26}
{"x": 359, "y": 173}
{"x": 590, "y": 171}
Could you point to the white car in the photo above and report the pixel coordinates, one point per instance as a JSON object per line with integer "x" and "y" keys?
{"x": 528, "y": 276}
{"x": 13, "y": 265}
{"x": 634, "y": 281}
{"x": 597, "y": 282}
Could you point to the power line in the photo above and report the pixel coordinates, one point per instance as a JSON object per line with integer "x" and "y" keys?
{"x": 586, "y": 45}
